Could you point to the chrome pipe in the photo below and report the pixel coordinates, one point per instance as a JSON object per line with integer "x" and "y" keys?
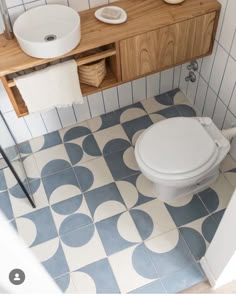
{"x": 8, "y": 32}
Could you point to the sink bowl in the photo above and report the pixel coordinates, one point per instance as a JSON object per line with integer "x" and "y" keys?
{"x": 48, "y": 31}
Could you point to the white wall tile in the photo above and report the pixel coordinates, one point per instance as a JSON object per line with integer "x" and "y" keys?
{"x": 110, "y": 97}
{"x": 18, "y": 127}
{"x": 200, "y": 97}
{"x": 207, "y": 64}
{"x": 209, "y": 103}
{"x": 5, "y": 104}
{"x": 94, "y": 3}
{"x": 218, "y": 68}
{"x": 139, "y": 89}
{"x": 233, "y": 49}
{"x": 232, "y": 105}
{"x": 15, "y": 12}
{"x": 34, "y": 4}
{"x": 96, "y": 104}
{"x": 153, "y": 85}
{"x": 177, "y": 73}
{"x": 192, "y": 89}
{"x": 61, "y": 2}
{"x": 183, "y": 83}
{"x": 228, "y": 81}
{"x": 79, "y": 5}
{"x": 221, "y": 18}
{"x": 51, "y": 120}
{"x": 125, "y": 94}
{"x": 82, "y": 111}
{"x": 219, "y": 114}
{"x": 229, "y": 26}
{"x": 166, "y": 82}
{"x": 230, "y": 120}
{"x": 67, "y": 116}
{"x": 12, "y": 3}
{"x": 35, "y": 124}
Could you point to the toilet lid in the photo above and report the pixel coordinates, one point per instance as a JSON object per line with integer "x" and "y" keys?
{"x": 176, "y": 146}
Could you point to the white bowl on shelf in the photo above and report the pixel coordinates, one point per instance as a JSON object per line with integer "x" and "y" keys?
{"x": 48, "y": 31}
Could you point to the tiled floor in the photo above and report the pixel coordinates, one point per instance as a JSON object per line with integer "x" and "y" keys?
{"x": 97, "y": 227}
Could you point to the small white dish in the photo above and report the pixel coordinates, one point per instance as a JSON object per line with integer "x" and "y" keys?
{"x": 122, "y": 18}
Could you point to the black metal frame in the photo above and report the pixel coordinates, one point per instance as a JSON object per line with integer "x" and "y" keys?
{"x": 17, "y": 177}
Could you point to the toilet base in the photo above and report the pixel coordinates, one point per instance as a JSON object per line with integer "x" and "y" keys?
{"x": 169, "y": 194}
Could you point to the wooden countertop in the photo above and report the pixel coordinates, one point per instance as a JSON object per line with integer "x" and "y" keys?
{"x": 143, "y": 16}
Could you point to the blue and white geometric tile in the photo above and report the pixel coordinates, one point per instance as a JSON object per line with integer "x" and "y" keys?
{"x": 74, "y": 132}
{"x": 183, "y": 279}
{"x": 52, "y": 160}
{"x": 3, "y": 184}
{"x": 218, "y": 195}
{"x": 118, "y": 233}
{"x": 132, "y": 268}
{"x": 9, "y": 177}
{"x": 186, "y": 210}
{"x": 31, "y": 168}
{"x": 131, "y": 112}
{"x": 20, "y": 203}
{"x": 82, "y": 247}
{"x": 66, "y": 284}
{"x": 71, "y": 214}
{"x": 82, "y": 149}
{"x": 185, "y": 110}
{"x": 61, "y": 186}
{"x": 112, "y": 139}
{"x": 155, "y": 287}
{"x": 136, "y": 190}
{"x": 168, "y": 252}
{"x": 52, "y": 257}
{"x": 104, "y": 202}
{"x": 152, "y": 219}
{"x": 104, "y": 121}
{"x": 122, "y": 163}
{"x": 37, "y": 227}
{"x": 24, "y": 148}
{"x": 135, "y": 127}
{"x": 93, "y": 174}
{"x": 5, "y": 205}
{"x": 95, "y": 278}
{"x": 46, "y": 141}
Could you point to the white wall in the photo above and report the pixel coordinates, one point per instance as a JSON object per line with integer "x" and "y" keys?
{"x": 96, "y": 104}
{"x": 214, "y": 94}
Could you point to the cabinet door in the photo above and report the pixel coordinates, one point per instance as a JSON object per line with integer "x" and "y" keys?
{"x": 166, "y": 47}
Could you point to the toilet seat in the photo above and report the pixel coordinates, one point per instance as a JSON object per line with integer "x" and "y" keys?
{"x": 176, "y": 149}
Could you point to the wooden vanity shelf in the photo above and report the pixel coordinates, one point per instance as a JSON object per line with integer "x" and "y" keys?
{"x": 156, "y": 36}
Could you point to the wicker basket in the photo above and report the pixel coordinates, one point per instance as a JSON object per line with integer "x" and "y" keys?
{"x": 93, "y": 73}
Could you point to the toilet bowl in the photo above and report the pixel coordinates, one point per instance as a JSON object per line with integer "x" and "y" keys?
{"x": 181, "y": 155}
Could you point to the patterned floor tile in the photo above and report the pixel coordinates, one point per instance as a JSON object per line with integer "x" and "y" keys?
{"x": 37, "y": 227}
{"x": 169, "y": 253}
{"x": 152, "y": 219}
{"x": 5, "y": 205}
{"x": 61, "y": 186}
{"x": 217, "y": 197}
{"x": 52, "y": 160}
{"x": 95, "y": 278}
{"x": 93, "y": 174}
{"x": 10, "y": 180}
{"x": 3, "y": 184}
{"x": 122, "y": 164}
{"x": 104, "y": 121}
{"x": 71, "y": 214}
{"x": 135, "y": 190}
{"x": 186, "y": 210}
{"x": 20, "y": 203}
{"x": 228, "y": 168}
{"x": 132, "y": 268}
{"x": 74, "y": 132}
{"x": 52, "y": 257}
{"x": 112, "y": 139}
{"x": 82, "y": 247}
{"x": 82, "y": 149}
{"x": 155, "y": 287}
{"x": 135, "y": 127}
{"x": 185, "y": 110}
{"x": 31, "y": 168}
{"x": 104, "y": 202}
{"x": 131, "y": 112}
{"x": 183, "y": 279}
{"x": 118, "y": 233}
{"x": 46, "y": 141}
{"x": 25, "y": 148}
{"x": 66, "y": 284}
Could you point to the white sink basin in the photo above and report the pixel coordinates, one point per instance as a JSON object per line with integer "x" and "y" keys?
{"x": 48, "y": 31}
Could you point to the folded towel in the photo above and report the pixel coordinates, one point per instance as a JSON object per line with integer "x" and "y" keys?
{"x": 56, "y": 85}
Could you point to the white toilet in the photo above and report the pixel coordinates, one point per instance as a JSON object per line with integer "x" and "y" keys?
{"x": 181, "y": 155}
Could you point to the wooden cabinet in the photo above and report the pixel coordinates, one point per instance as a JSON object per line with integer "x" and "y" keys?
{"x": 166, "y": 47}
{"x": 155, "y": 37}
